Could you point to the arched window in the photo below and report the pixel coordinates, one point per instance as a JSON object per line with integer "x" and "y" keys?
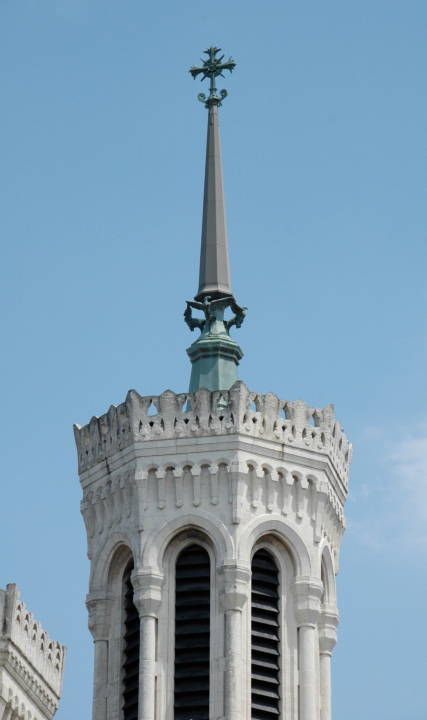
{"x": 192, "y": 634}
{"x": 130, "y": 665}
{"x": 265, "y": 690}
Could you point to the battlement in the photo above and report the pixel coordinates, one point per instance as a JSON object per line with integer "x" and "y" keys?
{"x": 205, "y": 413}
{"x": 20, "y": 629}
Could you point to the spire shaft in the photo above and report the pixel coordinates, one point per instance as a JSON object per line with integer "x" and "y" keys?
{"x": 214, "y": 275}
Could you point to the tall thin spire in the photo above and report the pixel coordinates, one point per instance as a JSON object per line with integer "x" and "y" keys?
{"x": 214, "y": 275}
{"x": 215, "y": 355}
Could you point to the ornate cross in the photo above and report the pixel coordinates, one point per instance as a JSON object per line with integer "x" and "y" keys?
{"x": 211, "y": 68}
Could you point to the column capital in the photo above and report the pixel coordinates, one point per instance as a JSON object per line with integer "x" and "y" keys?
{"x": 236, "y": 583}
{"x": 308, "y": 593}
{"x": 147, "y": 591}
{"x": 98, "y": 603}
{"x": 328, "y": 630}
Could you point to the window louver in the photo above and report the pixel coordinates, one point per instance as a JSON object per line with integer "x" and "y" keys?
{"x": 130, "y": 665}
{"x": 192, "y": 634}
{"x": 265, "y": 637}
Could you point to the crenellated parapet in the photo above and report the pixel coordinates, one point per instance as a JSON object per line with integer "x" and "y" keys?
{"x": 31, "y": 662}
{"x": 141, "y": 419}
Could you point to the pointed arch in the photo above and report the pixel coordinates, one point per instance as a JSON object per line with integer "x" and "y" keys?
{"x": 109, "y": 556}
{"x": 158, "y": 541}
{"x": 265, "y": 525}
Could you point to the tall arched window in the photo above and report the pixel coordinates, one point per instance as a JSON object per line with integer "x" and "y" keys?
{"x": 192, "y": 634}
{"x": 130, "y": 666}
{"x": 265, "y": 690}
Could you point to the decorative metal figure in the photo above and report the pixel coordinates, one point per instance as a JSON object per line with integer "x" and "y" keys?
{"x": 211, "y": 68}
{"x": 213, "y": 311}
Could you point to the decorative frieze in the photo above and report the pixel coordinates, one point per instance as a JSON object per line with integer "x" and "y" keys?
{"x": 240, "y": 490}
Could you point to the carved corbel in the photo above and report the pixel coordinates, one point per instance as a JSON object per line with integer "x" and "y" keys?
{"x": 196, "y": 472}
{"x": 141, "y": 477}
{"x": 287, "y": 484}
{"x": 301, "y": 488}
{"x": 272, "y": 480}
{"x": 160, "y": 475}
{"x": 256, "y": 475}
{"x": 99, "y": 509}
{"x": 88, "y": 513}
{"x": 320, "y": 504}
{"x": 213, "y": 483}
{"x": 238, "y": 472}
{"x": 116, "y": 490}
{"x": 177, "y": 474}
{"x": 108, "y": 503}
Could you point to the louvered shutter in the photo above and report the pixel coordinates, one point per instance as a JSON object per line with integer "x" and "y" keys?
{"x": 265, "y": 637}
{"x": 130, "y": 665}
{"x": 192, "y": 634}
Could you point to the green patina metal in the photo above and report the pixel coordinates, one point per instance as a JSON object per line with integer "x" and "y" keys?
{"x": 214, "y": 355}
{"x": 211, "y": 68}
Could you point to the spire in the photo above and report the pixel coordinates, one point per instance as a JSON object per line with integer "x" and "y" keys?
{"x": 214, "y": 275}
{"x": 215, "y": 355}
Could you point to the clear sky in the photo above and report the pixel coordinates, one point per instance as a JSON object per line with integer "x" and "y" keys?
{"x": 101, "y": 174}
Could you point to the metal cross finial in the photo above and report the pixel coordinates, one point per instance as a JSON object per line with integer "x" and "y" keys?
{"x": 211, "y": 68}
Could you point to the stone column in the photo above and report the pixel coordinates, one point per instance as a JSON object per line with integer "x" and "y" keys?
{"x": 234, "y": 596}
{"x": 99, "y": 606}
{"x": 147, "y": 598}
{"x": 307, "y": 596}
{"x": 327, "y": 641}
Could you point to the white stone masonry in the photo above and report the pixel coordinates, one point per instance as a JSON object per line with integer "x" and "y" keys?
{"x": 31, "y": 663}
{"x": 234, "y": 471}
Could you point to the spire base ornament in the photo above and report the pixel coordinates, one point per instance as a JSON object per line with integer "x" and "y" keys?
{"x": 214, "y": 363}
{"x": 215, "y": 355}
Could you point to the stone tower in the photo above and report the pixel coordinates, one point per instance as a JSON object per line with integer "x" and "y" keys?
{"x": 214, "y": 520}
{"x": 31, "y": 663}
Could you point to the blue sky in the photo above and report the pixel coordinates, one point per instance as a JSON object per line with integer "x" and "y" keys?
{"x": 102, "y": 149}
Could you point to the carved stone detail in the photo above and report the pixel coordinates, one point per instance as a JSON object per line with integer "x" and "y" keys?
{"x": 31, "y": 663}
{"x": 213, "y": 413}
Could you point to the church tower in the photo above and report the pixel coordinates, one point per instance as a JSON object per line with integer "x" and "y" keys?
{"x": 214, "y": 519}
